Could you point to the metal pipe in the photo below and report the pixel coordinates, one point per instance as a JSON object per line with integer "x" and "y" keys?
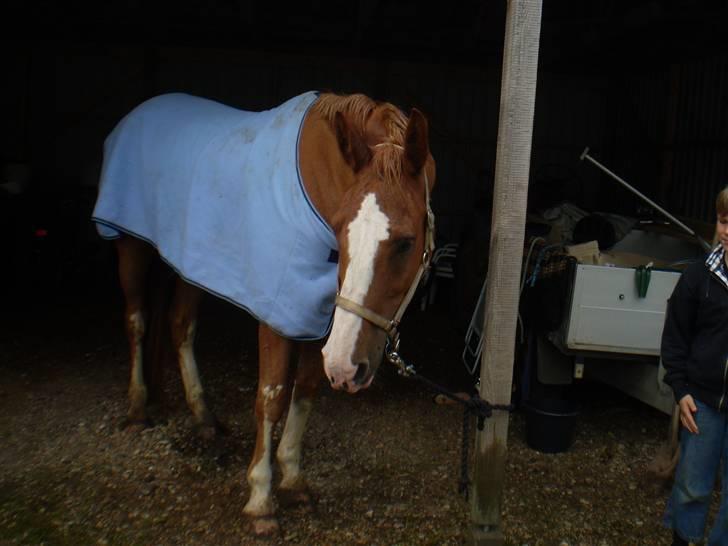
{"x": 585, "y": 155}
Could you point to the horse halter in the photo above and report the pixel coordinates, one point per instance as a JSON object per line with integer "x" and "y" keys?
{"x": 390, "y": 326}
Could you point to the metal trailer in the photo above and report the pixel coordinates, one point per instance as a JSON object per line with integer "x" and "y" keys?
{"x": 611, "y": 333}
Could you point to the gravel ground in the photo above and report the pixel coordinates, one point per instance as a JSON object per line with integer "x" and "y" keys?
{"x": 384, "y": 463}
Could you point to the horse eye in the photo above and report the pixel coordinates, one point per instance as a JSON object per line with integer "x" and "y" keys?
{"x": 404, "y": 245}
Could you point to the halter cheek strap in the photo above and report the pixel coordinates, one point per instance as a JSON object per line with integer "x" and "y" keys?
{"x": 391, "y": 326}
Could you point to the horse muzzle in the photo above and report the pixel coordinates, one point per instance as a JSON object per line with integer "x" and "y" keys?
{"x": 350, "y": 377}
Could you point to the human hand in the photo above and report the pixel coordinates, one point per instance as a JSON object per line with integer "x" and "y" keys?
{"x": 687, "y": 409}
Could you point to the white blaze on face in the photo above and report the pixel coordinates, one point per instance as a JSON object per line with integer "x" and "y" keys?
{"x": 369, "y": 228}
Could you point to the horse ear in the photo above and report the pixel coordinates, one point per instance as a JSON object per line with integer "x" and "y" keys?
{"x": 351, "y": 143}
{"x": 416, "y": 146}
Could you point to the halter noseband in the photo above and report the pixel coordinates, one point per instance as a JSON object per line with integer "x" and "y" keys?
{"x": 391, "y": 326}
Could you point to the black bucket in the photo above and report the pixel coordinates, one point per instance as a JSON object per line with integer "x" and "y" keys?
{"x": 550, "y": 424}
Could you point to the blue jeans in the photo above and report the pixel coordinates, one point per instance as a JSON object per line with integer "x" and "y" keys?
{"x": 700, "y": 457}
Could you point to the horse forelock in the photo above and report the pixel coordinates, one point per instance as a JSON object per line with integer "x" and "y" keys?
{"x": 357, "y": 107}
{"x": 387, "y": 163}
{"x": 386, "y": 160}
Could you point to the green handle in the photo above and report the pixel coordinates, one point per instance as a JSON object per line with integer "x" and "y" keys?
{"x": 642, "y": 277}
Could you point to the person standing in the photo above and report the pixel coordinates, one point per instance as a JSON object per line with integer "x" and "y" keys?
{"x": 694, "y": 353}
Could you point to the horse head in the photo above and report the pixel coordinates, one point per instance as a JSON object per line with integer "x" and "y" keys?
{"x": 384, "y": 228}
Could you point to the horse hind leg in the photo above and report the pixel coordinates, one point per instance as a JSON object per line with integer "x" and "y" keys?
{"x": 293, "y": 489}
{"x": 134, "y": 259}
{"x": 183, "y": 322}
{"x": 275, "y": 357}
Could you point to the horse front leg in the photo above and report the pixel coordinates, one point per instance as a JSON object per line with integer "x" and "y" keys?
{"x": 183, "y": 317}
{"x": 274, "y": 361}
{"x": 294, "y": 489}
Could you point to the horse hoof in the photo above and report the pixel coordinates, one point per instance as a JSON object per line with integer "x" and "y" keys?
{"x": 135, "y": 426}
{"x": 207, "y": 432}
{"x": 264, "y": 526}
{"x": 301, "y": 498}
{"x": 208, "y": 427}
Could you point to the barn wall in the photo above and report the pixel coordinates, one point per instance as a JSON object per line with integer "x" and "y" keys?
{"x": 698, "y": 150}
{"x": 14, "y": 107}
{"x": 666, "y": 133}
{"x": 661, "y": 128}
{"x": 64, "y": 99}
{"x": 572, "y": 112}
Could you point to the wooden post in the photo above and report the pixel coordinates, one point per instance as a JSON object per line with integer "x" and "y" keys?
{"x": 513, "y": 157}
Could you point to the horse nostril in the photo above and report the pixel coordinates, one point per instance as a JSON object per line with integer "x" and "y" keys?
{"x": 362, "y": 370}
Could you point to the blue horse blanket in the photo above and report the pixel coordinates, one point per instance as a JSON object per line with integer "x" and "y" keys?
{"x": 218, "y": 192}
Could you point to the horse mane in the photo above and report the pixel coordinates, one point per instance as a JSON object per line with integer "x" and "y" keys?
{"x": 386, "y": 159}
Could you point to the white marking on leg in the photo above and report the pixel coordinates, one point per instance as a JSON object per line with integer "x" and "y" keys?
{"x": 260, "y": 502}
{"x": 271, "y": 393}
{"x": 369, "y": 228}
{"x": 190, "y": 376}
{"x": 289, "y": 448}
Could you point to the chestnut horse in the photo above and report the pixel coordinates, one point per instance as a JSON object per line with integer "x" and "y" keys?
{"x": 367, "y": 172}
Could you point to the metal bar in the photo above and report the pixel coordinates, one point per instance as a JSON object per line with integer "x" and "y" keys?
{"x": 585, "y": 155}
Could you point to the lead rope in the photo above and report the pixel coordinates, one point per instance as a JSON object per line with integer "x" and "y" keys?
{"x": 464, "y": 483}
{"x": 473, "y": 406}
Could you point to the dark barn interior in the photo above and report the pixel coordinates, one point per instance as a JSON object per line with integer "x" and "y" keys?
{"x": 643, "y": 84}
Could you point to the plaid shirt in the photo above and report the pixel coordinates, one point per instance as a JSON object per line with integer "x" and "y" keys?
{"x": 716, "y": 264}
